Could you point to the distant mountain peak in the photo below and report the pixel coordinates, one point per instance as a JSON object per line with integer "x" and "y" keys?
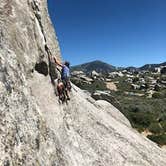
{"x": 152, "y": 66}
{"x": 103, "y": 67}
{"x": 97, "y": 65}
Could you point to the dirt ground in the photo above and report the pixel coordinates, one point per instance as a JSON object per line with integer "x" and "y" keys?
{"x": 111, "y": 86}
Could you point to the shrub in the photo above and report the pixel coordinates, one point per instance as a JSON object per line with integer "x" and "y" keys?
{"x": 163, "y": 71}
{"x": 135, "y": 79}
{"x": 98, "y": 85}
{"x": 163, "y": 124}
{"x": 159, "y": 139}
{"x": 155, "y": 128}
{"x": 141, "y": 119}
{"x": 157, "y": 88}
{"x": 157, "y": 95}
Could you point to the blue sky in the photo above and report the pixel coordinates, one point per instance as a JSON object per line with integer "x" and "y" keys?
{"x": 119, "y": 32}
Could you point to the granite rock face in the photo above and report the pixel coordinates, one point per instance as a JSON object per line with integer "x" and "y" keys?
{"x": 34, "y": 128}
{"x": 26, "y": 37}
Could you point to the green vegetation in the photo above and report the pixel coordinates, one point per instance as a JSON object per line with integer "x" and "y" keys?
{"x": 156, "y": 95}
{"x": 143, "y": 113}
{"x": 95, "y": 85}
{"x": 160, "y": 95}
{"x": 141, "y": 94}
{"x": 155, "y": 128}
{"x": 159, "y": 139}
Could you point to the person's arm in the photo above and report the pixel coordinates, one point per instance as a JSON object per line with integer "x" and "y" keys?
{"x": 57, "y": 62}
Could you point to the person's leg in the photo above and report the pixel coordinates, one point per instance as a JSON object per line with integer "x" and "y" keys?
{"x": 69, "y": 86}
{"x": 67, "y": 94}
{"x": 56, "y": 82}
{"x": 66, "y": 89}
{"x": 59, "y": 91}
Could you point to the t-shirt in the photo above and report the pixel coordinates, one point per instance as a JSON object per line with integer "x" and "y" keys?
{"x": 65, "y": 72}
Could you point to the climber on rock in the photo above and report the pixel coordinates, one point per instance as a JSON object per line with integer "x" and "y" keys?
{"x": 65, "y": 77}
{"x": 61, "y": 90}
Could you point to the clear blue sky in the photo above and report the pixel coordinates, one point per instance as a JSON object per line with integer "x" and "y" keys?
{"x": 119, "y": 32}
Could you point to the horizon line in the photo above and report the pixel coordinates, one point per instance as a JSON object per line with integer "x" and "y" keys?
{"x": 119, "y": 65}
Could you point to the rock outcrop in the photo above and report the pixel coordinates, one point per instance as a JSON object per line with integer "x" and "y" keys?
{"x": 34, "y": 128}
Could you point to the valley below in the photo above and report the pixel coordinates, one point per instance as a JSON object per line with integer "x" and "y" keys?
{"x": 139, "y": 94}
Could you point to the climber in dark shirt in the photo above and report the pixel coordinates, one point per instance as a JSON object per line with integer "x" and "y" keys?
{"x": 65, "y": 76}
